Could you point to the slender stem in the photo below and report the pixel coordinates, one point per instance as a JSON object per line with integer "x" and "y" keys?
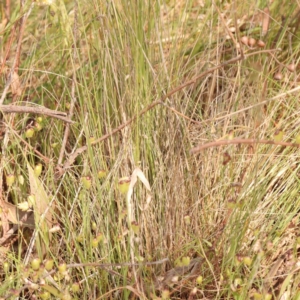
{"x": 199, "y": 148}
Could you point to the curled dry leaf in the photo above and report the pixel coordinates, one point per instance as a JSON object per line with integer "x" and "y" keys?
{"x": 138, "y": 173}
{"x": 10, "y": 213}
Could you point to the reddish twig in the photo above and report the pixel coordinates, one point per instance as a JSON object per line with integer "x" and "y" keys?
{"x": 199, "y": 148}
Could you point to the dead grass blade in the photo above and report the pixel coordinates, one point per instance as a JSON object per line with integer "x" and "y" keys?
{"x": 41, "y": 201}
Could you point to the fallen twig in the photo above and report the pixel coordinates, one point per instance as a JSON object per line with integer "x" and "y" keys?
{"x": 36, "y": 110}
{"x": 201, "y": 147}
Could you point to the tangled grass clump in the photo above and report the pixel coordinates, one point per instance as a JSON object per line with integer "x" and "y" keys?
{"x": 149, "y": 150}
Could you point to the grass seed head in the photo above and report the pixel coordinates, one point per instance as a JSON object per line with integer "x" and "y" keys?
{"x": 199, "y": 280}
{"x": 185, "y": 261}
{"x": 87, "y": 182}
{"x": 75, "y": 288}
{"x": 95, "y": 243}
{"x": 92, "y": 139}
{"x": 135, "y": 227}
{"x": 21, "y": 179}
{"x": 66, "y": 296}
{"x": 45, "y": 295}
{"x": 94, "y": 226}
{"x": 187, "y": 220}
{"x": 124, "y": 183}
{"x": 29, "y": 133}
{"x": 62, "y": 268}
{"x": 39, "y": 119}
{"x": 6, "y": 267}
{"x": 10, "y": 179}
{"x": 35, "y": 264}
{"x": 278, "y": 137}
{"x": 102, "y": 174}
{"x": 100, "y": 237}
{"x": 49, "y": 264}
{"x": 38, "y": 126}
{"x": 165, "y": 294}
{"x": 247, "y": 261}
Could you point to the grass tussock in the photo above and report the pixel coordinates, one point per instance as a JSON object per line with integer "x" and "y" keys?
{"x": 109, "y": 195}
